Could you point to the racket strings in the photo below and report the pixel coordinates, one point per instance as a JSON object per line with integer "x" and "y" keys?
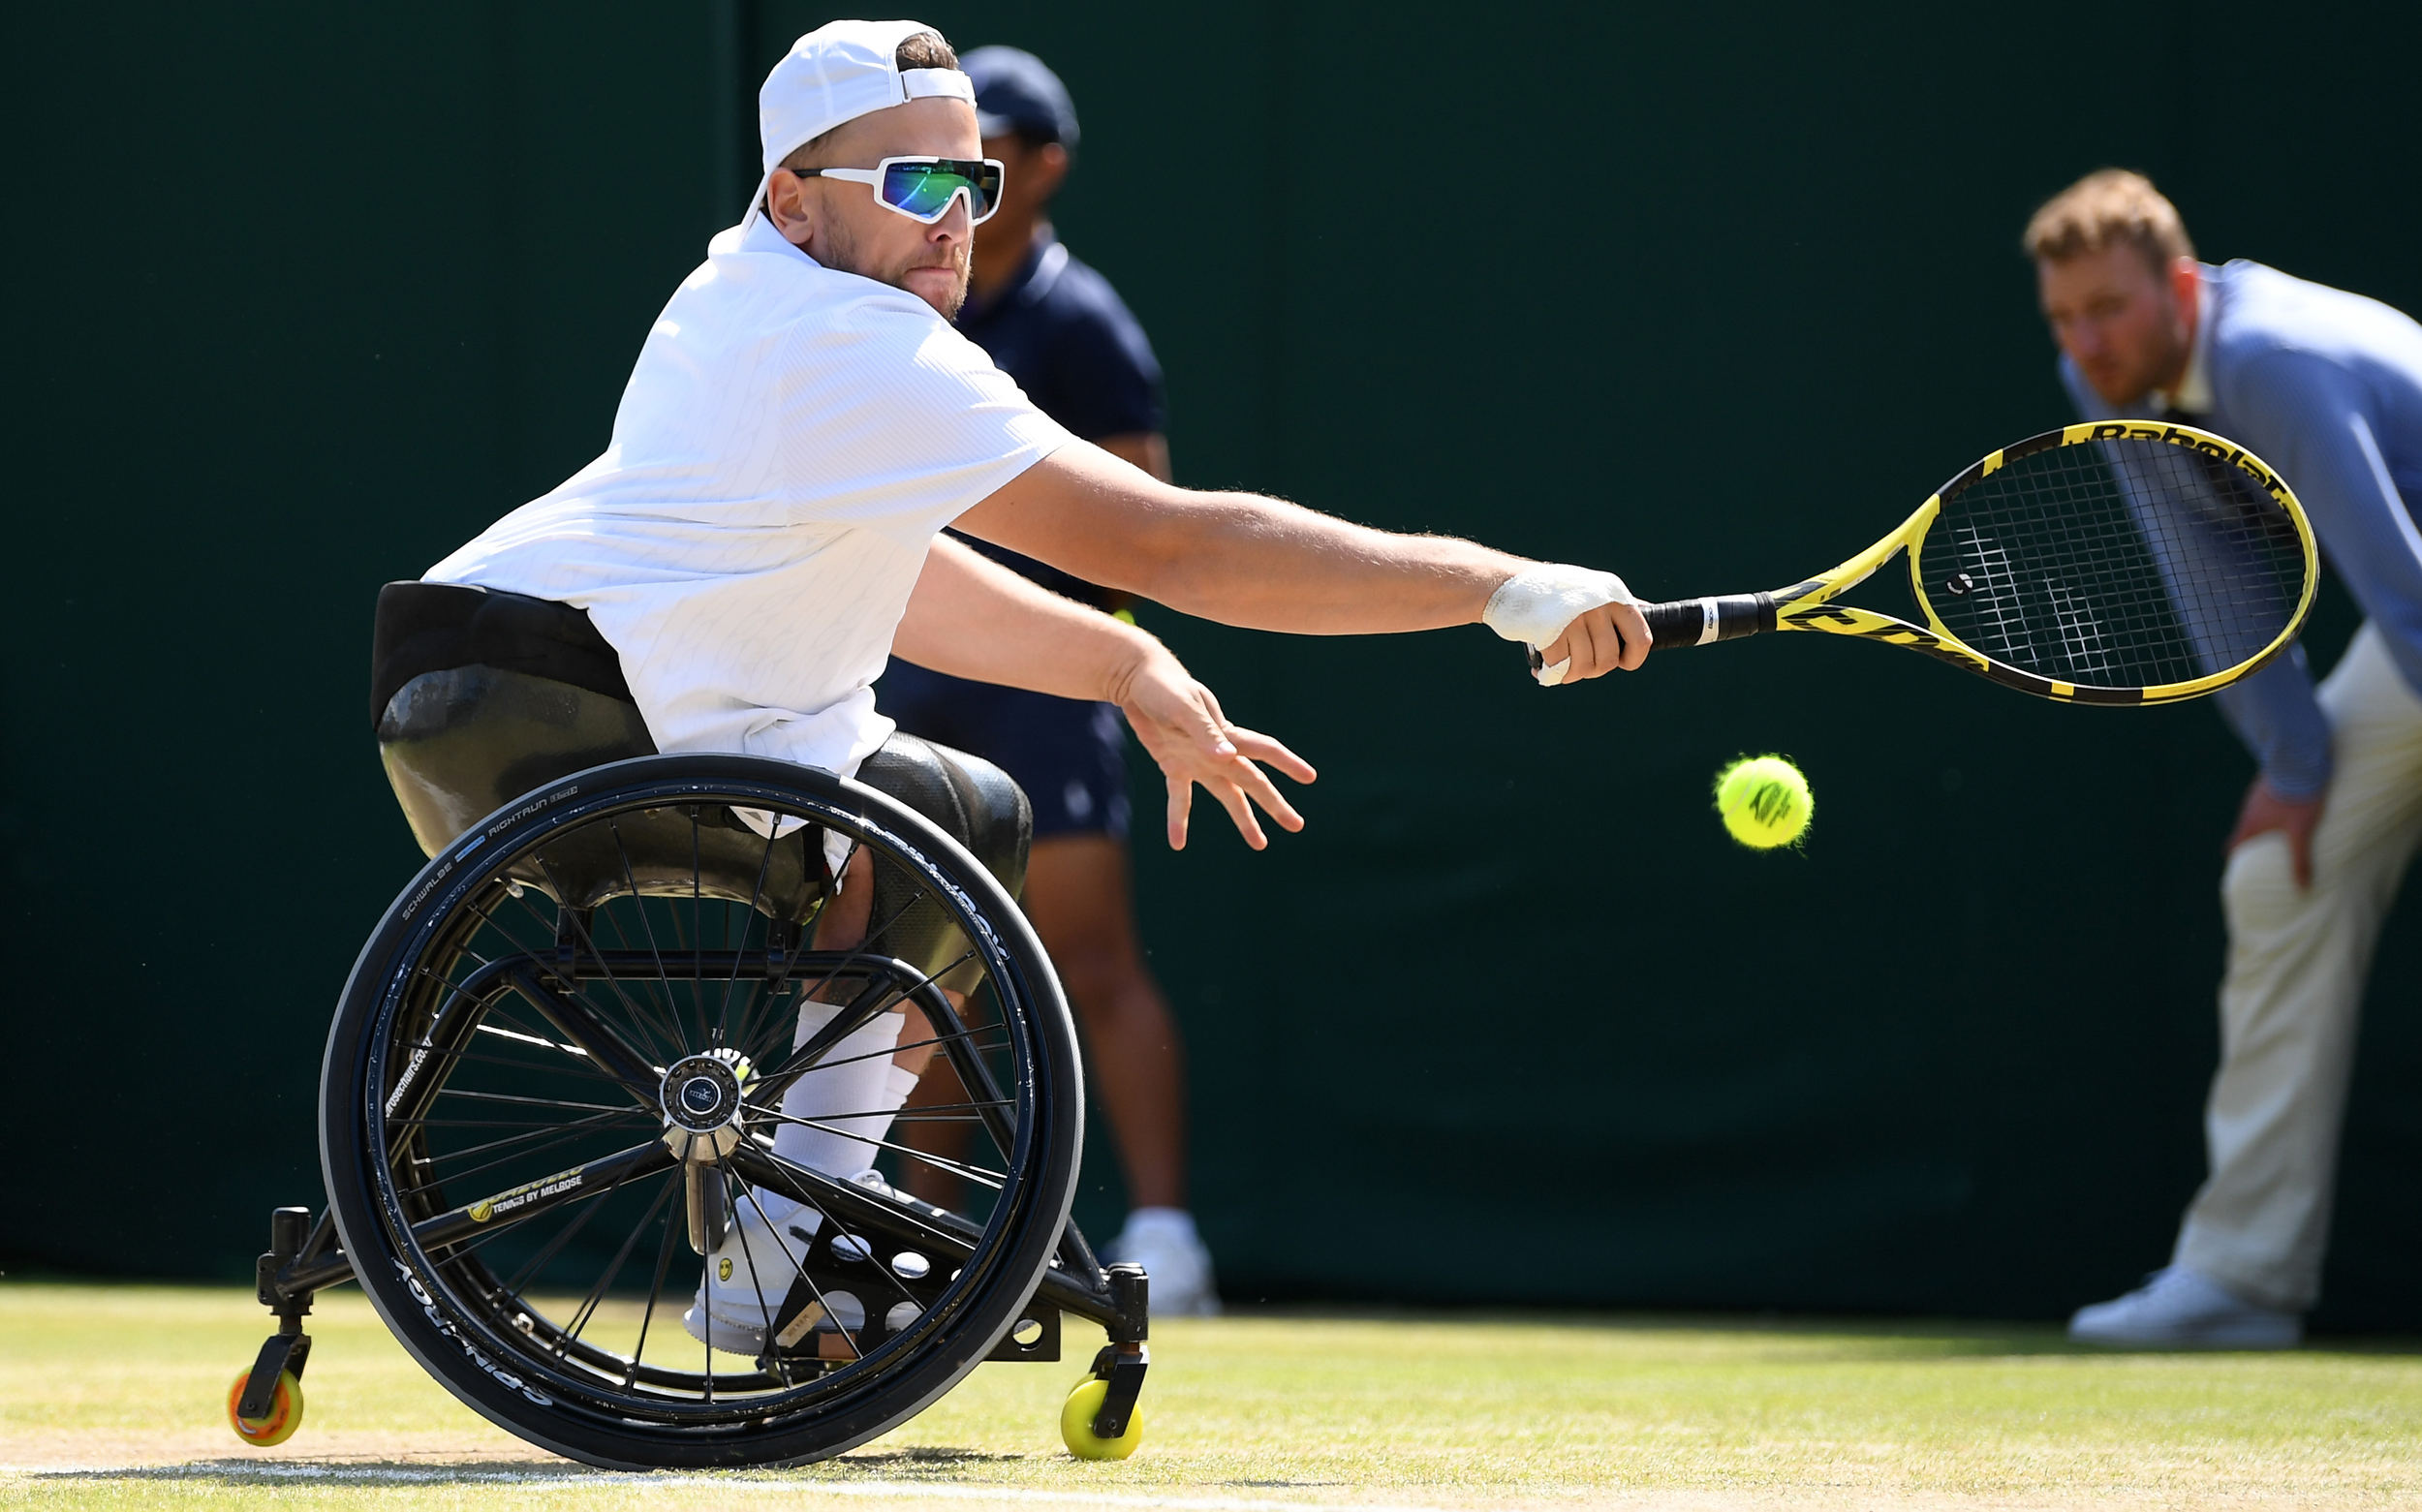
{"x": 2115, "y": 564}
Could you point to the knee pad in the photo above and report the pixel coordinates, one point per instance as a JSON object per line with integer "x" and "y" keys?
{"x": 971, "y": 801}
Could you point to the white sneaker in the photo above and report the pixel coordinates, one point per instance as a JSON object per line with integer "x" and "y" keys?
{"x": 2179, "y": 1309}
{"x": 752, "y": 1270}
{"x": 1163, "y": 1242}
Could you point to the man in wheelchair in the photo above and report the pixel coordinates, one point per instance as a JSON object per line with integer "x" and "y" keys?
{"x": 727, "y": 581}
{"x": 765, "y": 528}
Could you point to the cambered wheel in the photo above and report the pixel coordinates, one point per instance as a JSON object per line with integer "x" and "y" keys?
{"x": 557, "y": 1078}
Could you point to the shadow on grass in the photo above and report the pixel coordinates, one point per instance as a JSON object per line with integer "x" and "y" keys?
{"x": 918, "y": 1461}
{"x": 343, "y": 1473}
{"x": 1282, "y": 1485}
{"x": 903, "y": 1465}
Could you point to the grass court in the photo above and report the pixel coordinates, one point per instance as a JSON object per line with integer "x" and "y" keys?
{"x": 110, "y": 1396}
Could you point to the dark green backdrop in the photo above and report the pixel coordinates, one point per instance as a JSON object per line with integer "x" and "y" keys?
{"x": 305, "y": 295}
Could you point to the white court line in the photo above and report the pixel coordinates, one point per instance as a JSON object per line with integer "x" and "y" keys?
{"x": 582, "y": 1480}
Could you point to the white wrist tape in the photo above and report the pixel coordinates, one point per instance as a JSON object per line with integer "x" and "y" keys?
{"x": 1534, "y": 605}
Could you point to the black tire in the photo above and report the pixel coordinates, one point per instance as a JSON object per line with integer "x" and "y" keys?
{"x": 452, "y": 1034}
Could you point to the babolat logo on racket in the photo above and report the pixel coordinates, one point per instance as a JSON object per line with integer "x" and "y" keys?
{"x": 2205, "y": 441}
{"x": 2111, "y": 562}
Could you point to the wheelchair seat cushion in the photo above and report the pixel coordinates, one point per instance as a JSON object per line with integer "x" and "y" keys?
{"x": 480, "y": 697}
{"x": 425, "y": 628}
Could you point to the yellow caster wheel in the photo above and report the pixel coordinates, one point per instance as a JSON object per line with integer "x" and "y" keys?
{"x": 286, "y": 1410}
{"x": 1076, "y": 1424}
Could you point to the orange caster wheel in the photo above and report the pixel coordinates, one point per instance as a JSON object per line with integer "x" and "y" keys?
{"x": 286, "y": 1410}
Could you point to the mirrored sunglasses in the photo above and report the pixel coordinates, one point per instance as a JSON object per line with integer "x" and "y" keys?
{"x": 922, "y": 188}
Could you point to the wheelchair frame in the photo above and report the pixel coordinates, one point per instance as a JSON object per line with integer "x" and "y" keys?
{"x": 306, "y": 1255}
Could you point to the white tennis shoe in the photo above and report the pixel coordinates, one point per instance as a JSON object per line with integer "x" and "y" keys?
{"x": 1163, "y": 1242}
{"x": 2178, "y": 1308}
{"x": 751, "y": 1272}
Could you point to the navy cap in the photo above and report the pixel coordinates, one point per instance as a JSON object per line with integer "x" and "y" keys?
{"x": 1014, "y": 92}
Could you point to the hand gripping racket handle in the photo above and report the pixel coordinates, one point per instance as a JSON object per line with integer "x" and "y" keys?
{"x": 1696, "y": 621}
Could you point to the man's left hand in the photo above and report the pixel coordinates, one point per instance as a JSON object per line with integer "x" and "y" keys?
{"x": 1181, "y": 725}
{"x": 2264, "y": 811}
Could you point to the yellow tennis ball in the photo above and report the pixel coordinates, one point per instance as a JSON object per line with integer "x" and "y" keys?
{"x": 1764, "y": 800}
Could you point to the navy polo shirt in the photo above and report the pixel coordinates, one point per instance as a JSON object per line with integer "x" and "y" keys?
{"x": 1062, "y": 332}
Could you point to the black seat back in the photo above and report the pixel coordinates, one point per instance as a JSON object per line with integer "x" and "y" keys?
{"x": 478, "y": 697}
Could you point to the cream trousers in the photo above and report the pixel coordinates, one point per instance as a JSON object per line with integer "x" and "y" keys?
{"x": 2297, "y": 963}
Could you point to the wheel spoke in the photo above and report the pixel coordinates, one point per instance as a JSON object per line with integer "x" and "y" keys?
{"x": 605, "y": 1282}
{"x": 767, "y": 1111}
{"x": 661, "y": 1028}
{"x": 638, "y": 906}
{"x": 528, "y": 1021}
{"x": 805, "y": 1057}
{"x": 569, "y": 1013}
{"x": 763, "y": 1309}
{"x": 697, "y": 929}
{"x": 967, "y": 1034}
{"x": 535, "y": 1102}
{"x": 531, "y": 1267}
{"x": 757, "y": 894}
{"x": 591, "y": 1124}
{"x": 748, "y": 1256}
{"x": 433, "y": 1183}
{"x": 655, "y": 1293}
{"x": 578, "y": 1064}
{"x": 586, "y": 937}
{"x": 974, "y": 1173}
{"x": 830, "y": 1225}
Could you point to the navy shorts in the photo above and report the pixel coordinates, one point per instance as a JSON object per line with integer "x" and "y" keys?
{"x": 1070, "y": 754}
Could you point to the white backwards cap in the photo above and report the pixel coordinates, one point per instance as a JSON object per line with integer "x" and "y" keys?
{"x": 837, "y": 73}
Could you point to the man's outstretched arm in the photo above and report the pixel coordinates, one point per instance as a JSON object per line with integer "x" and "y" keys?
{"x": 1264, "y": 563}
{"x": 971, "y": 617}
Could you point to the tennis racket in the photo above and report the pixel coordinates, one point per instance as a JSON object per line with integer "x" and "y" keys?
{"x": 2112, "y": 562}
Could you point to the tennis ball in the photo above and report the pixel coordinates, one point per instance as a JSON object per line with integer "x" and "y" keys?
{"x": 1765, "y": 801}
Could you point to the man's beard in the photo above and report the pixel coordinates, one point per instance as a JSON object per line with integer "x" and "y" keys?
{"x": 841, "y": 253}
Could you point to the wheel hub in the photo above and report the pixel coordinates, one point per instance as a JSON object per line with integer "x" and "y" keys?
{"x": 701, "y": 1102}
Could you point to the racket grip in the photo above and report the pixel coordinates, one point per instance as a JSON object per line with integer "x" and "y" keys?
{"x": 1696, "y": 622}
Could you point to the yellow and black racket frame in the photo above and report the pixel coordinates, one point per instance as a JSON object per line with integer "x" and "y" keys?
{"x": 1809, "y": 606}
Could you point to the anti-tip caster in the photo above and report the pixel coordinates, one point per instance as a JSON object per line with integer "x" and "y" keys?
{"x": 286, "y": 1411}
{"x": 1076, "y": 1424}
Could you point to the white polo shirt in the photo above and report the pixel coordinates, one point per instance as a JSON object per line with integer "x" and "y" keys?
{"x": 789, "y": 443}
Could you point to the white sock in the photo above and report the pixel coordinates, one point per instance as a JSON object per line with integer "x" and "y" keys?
{"x": 867, "y": 1087}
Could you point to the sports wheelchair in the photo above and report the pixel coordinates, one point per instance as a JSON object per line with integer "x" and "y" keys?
{"x": 557, "y": 1073}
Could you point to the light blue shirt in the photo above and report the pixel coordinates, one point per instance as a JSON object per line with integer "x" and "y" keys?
{"x": 2326, "y": 387}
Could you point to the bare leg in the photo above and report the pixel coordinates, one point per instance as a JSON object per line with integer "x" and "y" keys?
{"x": 1081, "y": 899}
